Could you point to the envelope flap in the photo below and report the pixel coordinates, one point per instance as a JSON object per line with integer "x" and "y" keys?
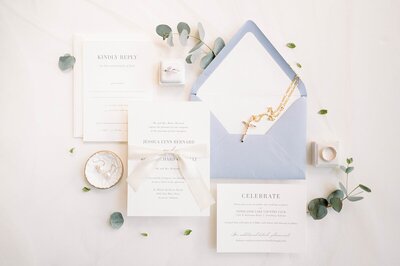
{"x": 252, "y": 28}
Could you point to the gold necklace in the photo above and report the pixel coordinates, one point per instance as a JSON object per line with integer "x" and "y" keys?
{"x": 270, "y": 113}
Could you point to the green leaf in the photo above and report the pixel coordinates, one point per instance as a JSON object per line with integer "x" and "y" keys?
{"x": 323, "y": 112}
{"x": 144, "y": 234}
{"x": 201, "y": 31}
{"x": 85, "y": 189}
{"x": 206, "y": 60}
{"x": 183, "y": 26}
{"x": 349, "y": 160}
{"x": 317, "y": 208}
{"x": 187, "y": 232}
{"x": 349, "y": 169}
{"x": 343, "y": 188}
{"x": 65, "y": 62}
{"x": 318, "y": 212}
{"x": 197, "y": 46}
{"x": 170, "y": 41}
{"x": 365, "y": 188}
{"x": 189, "y": 59}
{"x": 183, "y": 37}
{"x": 343, "y": 168}
{"x": 315, "y": 202}
{"x": 335, "y": 194}
{"x": 164, "y": 31}
{"x": 116, "y": 220}
{"x": 298, "y": 65}
{"x": 350, "y": 198}
{"x": 72, "y": 150}
{"x": 291, "y": 45}
{"x": 219, "y": 44}
{"x": 336, "y": 204}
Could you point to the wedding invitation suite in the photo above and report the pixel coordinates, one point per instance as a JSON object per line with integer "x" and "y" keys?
{"x": 261, "y": 218}
{"x": 113, "y": 72}
{"x": 168, "y": 159}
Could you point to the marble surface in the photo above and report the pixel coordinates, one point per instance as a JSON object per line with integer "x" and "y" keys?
{"x": 350, "y": 58}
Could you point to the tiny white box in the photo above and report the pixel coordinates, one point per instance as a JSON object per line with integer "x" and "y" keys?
{"x": 325, "y": 154}
{"x": 172, "y": 72}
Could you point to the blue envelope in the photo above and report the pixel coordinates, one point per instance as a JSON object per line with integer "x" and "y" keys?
{"x": 278, "y": 154}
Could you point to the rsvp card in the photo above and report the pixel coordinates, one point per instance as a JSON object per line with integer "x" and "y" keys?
{"x": 114, "y": 72}
{"x": 261, "y": 218}
{"x": 154, "y": 127}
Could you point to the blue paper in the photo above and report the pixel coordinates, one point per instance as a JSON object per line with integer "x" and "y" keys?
{"x": 281, "y": 152}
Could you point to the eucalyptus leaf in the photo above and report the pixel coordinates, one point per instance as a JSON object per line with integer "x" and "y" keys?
{"x": 144, "y": 234}
{"x": 164, "y": 31}
{"x": 187, "y": 232}
{"x": 318, "y": 212}
{"x": 197, "y": 46}
{"x": 323, "y": 112}
{"x": 72, "y": 150}
{"x": 349, "y": 169}
{"x": 365, "y": 188}
{"x": 116, "y": 220}
{"x": 335, "y": 194}
{"x": 201, "y": 31}
{"x": 336, "y": 204}
{"x": 196, "y": 55}
{"x": 343, "y": 168}
{"x": 350, "y": 198}
{"x": 170, "y": 41}
{"x": 206, "y": 60}
{"x": 66, "y": 61}
{"x": 316, "y": 202}
{"x": 85, "y": 189}
{"x": 189, "y": 59}
{"x": 183, "y": 37}
{"x": 343, "y": 188}
{"x": 291, "y": 45}
{"x": 298, "y": 65}
{"x": 349, "y": 160}
{"x": 219, "y": 44}
{"x": 183, "y": 26}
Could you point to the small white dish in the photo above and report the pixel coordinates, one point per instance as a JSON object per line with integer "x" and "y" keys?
{"x": 103, "y": 169}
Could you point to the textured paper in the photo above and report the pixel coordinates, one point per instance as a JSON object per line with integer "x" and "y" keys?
{"x": 261, "y": 218}
{"x": 167, "y": 125}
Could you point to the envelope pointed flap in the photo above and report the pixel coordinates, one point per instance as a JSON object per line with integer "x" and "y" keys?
{"x": 247, "y": 76}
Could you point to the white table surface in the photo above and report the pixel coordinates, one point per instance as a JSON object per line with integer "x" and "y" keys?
{"x": 350, "y": 56}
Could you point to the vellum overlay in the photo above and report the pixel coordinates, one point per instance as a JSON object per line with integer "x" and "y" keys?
{"x": 261, "y": 218}
{"x": 167, "y": 126}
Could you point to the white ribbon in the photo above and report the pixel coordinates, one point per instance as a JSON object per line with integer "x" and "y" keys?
{"x": 187, "y": 168}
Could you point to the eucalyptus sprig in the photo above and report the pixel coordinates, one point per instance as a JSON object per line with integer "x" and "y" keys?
{"x": 318, "y": 208}
{"x": 184, "y": 30}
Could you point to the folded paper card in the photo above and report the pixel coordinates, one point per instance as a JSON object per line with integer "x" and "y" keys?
{"x": 246, "y": 77}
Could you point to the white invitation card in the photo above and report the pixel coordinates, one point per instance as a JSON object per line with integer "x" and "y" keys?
{"x": 156, "y": 130}
{"x": 114, "y": 72}
{"x": 261, "y": 218}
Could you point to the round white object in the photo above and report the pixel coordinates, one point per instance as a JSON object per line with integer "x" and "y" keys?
{"x": 104, "y": 169}
{"x": 328, "y": 154}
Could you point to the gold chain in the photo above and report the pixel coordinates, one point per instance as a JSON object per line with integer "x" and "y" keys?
{"x": 270, "y": 113}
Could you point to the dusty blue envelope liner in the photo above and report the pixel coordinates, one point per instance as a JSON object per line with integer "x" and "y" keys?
{"x": 281, "y": 152}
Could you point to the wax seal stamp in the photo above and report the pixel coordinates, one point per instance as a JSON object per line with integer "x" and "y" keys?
{"x": 103, "y": 169}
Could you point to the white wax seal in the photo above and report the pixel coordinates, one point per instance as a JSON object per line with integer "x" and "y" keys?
{"x": 328, "y": 154}
{"x": 103, "y": 169}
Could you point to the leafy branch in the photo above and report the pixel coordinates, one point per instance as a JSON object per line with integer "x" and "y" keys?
{"x": 184, "y": 30}
{"x": 318, "y": 207}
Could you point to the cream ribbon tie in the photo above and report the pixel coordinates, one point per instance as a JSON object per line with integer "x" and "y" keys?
{"x": 185, "y": 157}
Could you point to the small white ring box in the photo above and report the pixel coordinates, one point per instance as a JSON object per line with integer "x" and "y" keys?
{"x": 325, "y": 154}
{"x": 172, "y": 72}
